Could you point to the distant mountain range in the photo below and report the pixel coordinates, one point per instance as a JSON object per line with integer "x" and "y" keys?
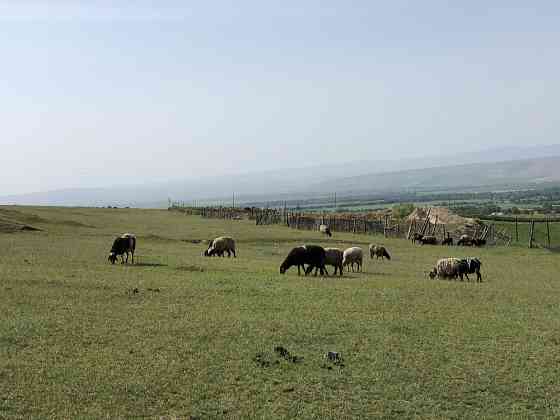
{"x": 493, "y": 168}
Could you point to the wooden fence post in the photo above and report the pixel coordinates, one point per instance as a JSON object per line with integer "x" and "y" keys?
{"x": 516, "y": 231}
{"x": 548, "y": 233}
{"x": 531, "y": 234}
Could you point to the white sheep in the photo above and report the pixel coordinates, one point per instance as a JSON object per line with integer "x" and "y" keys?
{"x": 221, "y": 245}
{"x": 449, "y": 268}
{"x": 352, "y": 256}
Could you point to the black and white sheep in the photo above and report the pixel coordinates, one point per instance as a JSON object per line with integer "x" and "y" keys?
{"x": 124, "y": 244}
{"x": 220, "y": 246}
{"x": 473, "y": 266}
{"x": 312, "y": 255}
{"x": 334, "y": 257}
{"x": 325, "y": 229}
{"x": 351, "y": 256}
{"x": 378, "y": 251}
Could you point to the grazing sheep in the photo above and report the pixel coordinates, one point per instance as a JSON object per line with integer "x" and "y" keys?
{"x": 473, "y": 266}
{"x": 464, "y": 240}
{"x": 313, "y": 255}
{"x": 478, "y": 242}
{"x": 447, "y": 241}
{"x": 221, "y": 245}
{"x": 451, "y": 268}
{"x": 428, "y": 240}
{"x": 352, "y": 256}
{"x": 416, "y": 237}
{"x": 326, "y": 230}
{"x": 378, "y": 251}
{"x": 123, "y": 245}
{"x": 448, "y": 268}
{"x": 334, "y": 257}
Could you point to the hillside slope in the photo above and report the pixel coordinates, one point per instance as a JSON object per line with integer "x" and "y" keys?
{"x": 512, "y": 173}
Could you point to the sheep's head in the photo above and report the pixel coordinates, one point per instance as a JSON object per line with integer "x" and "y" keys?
{"x": 282, "y": 268}
{"x": 112, "y": 257}
{"x": 432, "y": 273}
{"x": 210, "y": 252}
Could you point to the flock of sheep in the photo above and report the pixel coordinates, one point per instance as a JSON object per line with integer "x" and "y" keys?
{"x": 317, "y": 257}
{"x": 464, "y": 240}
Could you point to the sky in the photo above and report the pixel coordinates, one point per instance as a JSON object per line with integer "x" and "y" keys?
{"x": 104, "y": 93}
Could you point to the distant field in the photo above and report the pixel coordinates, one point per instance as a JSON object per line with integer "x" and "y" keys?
{"x": 197, "y": 336}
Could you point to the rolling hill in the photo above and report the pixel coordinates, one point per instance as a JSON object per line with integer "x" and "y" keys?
{"x": 517, "y": 168}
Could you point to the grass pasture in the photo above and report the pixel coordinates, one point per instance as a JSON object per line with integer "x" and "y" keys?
{"x": 183, "y": 336}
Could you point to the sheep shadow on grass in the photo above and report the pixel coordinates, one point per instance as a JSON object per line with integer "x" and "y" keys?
{"x": 148, "y": 264}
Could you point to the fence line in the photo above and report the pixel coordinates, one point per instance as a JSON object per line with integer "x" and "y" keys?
{"x": 496, "y": 231}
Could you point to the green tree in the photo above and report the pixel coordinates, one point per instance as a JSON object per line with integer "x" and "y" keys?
{"x": 401, "y": 210}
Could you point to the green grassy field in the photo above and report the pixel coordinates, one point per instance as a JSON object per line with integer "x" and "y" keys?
{"x": 197, "y": 337}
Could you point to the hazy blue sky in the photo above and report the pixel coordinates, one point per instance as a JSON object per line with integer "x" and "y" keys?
{"x": 94, "y": 94}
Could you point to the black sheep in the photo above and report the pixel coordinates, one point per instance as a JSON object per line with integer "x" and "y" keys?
{"x": 124, "y": 244}
{"x": 465, "y": 240}
{"x": 428, "y": 240}
{"x": 447, "y": 241}
{"x": 416, "y": 237}
{"x": 472, "y": 265}
{"x": 313, "y": 255}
